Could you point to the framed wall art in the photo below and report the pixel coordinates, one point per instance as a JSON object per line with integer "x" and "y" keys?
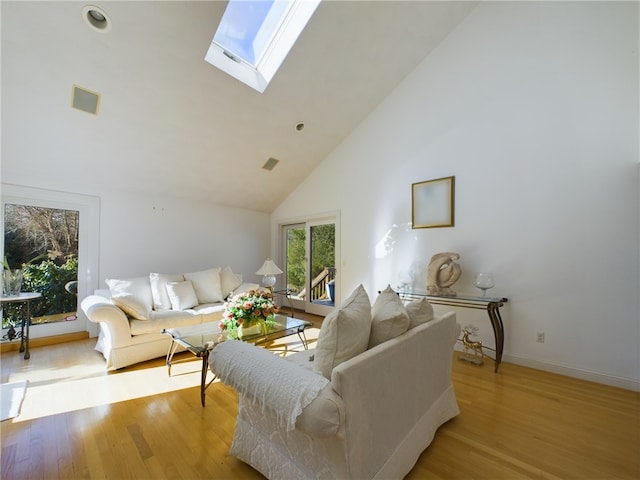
{"x": 432, "y": 203}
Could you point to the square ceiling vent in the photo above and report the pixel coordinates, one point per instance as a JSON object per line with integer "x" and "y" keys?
{"x": 270, "y": 164}
{"x": 85, "y": 100}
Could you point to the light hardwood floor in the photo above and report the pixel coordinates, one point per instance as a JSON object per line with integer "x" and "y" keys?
{"x": 79, "y": 422}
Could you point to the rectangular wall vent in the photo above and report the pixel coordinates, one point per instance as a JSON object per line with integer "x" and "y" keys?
{"x": 85, "y": 100}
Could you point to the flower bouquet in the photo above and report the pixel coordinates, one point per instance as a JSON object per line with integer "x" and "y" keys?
{"x": 248, "y": 313}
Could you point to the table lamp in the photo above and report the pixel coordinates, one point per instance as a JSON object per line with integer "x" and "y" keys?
{"x": 269, "y": 270}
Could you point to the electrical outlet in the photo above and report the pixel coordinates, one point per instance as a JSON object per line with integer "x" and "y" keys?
{"x": 540, "y": 337}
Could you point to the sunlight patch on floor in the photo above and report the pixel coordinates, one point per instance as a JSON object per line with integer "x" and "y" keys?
{"x": 76, "y": 392}
{"x": 76, "y": 379}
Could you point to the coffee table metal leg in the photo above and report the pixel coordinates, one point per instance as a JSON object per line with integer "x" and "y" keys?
{"x": 303, "y": 338}
{"x": 172, "y": 350}
{"x": 203, "y": 378}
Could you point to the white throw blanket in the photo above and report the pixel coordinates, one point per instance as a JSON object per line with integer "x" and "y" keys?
{"x": 253, "y": 371}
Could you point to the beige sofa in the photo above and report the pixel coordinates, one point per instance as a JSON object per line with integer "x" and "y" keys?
{"x": 367, "y": 416}
{"x": 133, "y": 312}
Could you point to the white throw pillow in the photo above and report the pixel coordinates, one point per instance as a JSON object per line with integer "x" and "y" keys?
{"x": 182, "y": 295}
{"x": 420, "y": 311}
{"x": 133, "y": 295}
{"x": 207, "y": 285}
{"x": 131, "y": 305}
{"x": 344, "y": 332}
{"x": 229, "y": 281}
{"x": 159, "y": 289}
{"x": 245, "y": 287}
{"x": 388, "y": 317}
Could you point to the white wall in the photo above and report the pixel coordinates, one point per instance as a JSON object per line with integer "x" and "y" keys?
{"x": 139, "y": 233}
{"x": 534, "y": 108}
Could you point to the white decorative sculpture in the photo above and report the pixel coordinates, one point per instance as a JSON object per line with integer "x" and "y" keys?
{"x": 442, "y": 273}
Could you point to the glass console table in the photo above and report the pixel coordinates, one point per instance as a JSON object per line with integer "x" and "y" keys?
{"x": 491, "y": 305}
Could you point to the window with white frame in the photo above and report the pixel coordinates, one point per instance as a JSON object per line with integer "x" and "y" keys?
{"x": 255, "y": 36}
{"x": 88, "y": 210}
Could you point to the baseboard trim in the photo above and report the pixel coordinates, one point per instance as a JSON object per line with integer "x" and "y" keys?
{"x": 620, "y": 382}
{"x": 14, "y": 345}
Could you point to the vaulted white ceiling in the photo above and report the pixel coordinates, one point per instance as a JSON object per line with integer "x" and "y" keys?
{"x": 171, "y": 124}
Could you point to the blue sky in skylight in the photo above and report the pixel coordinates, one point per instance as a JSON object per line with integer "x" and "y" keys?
{"x": 248, "y": 26}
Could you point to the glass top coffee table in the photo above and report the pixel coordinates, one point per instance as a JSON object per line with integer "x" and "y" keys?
{"x": 201, "y": 339}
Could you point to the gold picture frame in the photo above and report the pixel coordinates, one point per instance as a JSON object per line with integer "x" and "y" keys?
{"x": 432, "y": 203}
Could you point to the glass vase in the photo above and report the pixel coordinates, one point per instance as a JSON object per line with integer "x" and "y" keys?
{"x": 12, "y": 281}
{"x": 484, "y": 281}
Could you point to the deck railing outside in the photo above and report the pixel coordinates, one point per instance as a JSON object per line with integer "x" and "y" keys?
{"x": 319, "y": 285}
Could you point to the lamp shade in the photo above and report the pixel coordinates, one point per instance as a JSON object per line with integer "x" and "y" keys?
{"x": 269, "y": 268}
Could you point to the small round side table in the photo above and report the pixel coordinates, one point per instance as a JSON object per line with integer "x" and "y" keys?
{"x": 25, "y": 298}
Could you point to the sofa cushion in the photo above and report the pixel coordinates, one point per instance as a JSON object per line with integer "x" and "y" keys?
{"x": 206, "y": 284}
{"x": 182, "y": 295}
{"x": 229, "y": 281}
{"x": 389, "y": 318}
{"x": 344, "y": 332}
{"x": 131, "y": 305}
{"x": 304, "y": 358}
{"x": 132, "y": 295}
{"x": 420, "y": 311}
{"x": 159, "y": 289}
{"x": 159, "y": 320}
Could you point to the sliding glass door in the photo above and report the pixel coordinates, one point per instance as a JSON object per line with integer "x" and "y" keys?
{"x": 310, "y": 259}
{"x": 295, "y": 258}
{"x": 321, "y": 269}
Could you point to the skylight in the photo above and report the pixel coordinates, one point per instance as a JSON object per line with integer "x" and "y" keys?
{"x": 255, "y": 36}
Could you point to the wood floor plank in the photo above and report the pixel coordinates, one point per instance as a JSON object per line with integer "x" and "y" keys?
{"x": 519, "y": 423}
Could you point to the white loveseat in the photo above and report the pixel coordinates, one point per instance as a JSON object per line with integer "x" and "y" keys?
{"x": 133, "y": 312}
{"x": 367, "y": 416}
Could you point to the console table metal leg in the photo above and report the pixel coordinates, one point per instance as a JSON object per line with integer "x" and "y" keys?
{"x": 293, "y": 314}
{"x": 493, "y": 309}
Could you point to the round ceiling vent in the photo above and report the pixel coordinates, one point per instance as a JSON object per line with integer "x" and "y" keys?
{"x": 96, "y": 18}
